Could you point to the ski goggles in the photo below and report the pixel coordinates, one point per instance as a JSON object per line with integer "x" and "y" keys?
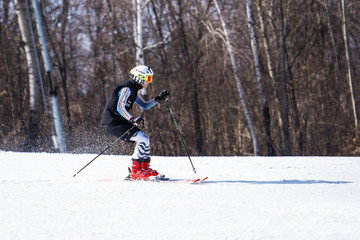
{"x": 142, "y": 78}
{"x": 149, "y": 78}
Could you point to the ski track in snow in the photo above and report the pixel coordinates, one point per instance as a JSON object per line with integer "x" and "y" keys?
{"x": 282, "y": 198}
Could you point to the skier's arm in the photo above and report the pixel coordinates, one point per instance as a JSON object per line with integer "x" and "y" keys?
{"x": 124, "y": 94}
{"x": 145, "y": 104}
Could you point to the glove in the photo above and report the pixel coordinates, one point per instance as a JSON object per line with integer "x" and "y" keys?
{"x": 162, "y": 96}
{"x": 137, "y": 121}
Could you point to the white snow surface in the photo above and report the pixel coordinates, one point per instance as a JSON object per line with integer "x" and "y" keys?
{"x": 282, "y": 198}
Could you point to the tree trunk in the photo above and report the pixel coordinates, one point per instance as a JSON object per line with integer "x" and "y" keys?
{"x": 265, "y": 106}
{"x": 333, "y": 44}
{"x": 138, "y": 37}
{"x": 32, "y": 135}
{"x": 348, "y": 61}
{"x": 285, "y": 103}
{"x": 193, "y": 83}
{"x": 238, "y": 80}
{"x": 63, "y": 62}
{"x": 274, "y": 91}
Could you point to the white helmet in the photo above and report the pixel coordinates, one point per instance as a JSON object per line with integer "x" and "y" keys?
{"x": 141, "y": 74}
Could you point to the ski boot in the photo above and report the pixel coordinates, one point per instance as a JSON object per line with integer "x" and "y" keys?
{"x": 137, "y": 172}
{"x": 146, "y": 167}
{"x": 140, "y": 170}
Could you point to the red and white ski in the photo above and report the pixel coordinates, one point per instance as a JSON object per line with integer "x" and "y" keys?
{"x": 160, "y": 178}
{"x": 197, "y": 180}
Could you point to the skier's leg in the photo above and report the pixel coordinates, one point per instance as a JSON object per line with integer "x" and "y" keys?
{"x": 118, "y": 130}
{"x": 142, "y": 155}
{"x": 142, "y": 148}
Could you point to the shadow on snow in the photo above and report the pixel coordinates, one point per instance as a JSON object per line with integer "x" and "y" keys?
{"x": 295, "y": 181}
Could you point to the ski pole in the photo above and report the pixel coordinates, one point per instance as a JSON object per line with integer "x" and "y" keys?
{"x": 177, "y": 127}
{"x": 104, "y": 150}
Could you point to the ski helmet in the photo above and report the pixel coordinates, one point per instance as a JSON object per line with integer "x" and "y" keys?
{"x": 141, "y": 74}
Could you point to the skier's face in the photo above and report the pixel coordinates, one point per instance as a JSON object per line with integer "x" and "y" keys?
{"x": 146, "y": 84}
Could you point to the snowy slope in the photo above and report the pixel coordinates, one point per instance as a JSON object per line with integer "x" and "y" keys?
{"x": 263, "y": 198}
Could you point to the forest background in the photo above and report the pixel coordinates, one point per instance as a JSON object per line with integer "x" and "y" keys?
{"x": 294, "y": 88}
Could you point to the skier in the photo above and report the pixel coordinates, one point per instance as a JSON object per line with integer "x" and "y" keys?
{"x": 117, "y": 120}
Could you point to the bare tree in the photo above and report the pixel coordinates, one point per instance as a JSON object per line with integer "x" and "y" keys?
{"x": 348, "y": 61}
{"x": 238, "y": 80}
{"x": 269, "y": 61}
{"x": 61, "y": 56}
{"x": 285, "y": 102}
{"x": 33, "y": 125}
{"x": 139, "y": 6}
{"x": 265, "y": 105}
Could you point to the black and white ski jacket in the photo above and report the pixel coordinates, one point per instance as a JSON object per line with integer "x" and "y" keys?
{"x": 121, "y": 101}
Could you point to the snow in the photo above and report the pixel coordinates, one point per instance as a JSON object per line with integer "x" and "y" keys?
{"x": 282, "y": 198}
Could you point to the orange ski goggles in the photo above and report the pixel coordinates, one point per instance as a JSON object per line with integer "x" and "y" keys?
{"x": 149, "y": 78}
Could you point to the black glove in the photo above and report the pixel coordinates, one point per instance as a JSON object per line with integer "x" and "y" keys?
{"x": 162, "y": 96}
{"x": 137, "y": 121}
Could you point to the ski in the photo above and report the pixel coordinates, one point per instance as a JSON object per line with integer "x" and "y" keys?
{"x": 162, "y": 178}
{"x": 158, "y": 178}
{"x": 197, "y": 180}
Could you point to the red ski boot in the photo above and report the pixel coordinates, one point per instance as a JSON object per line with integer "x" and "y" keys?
{"x": 146, "y": 167}
{"x": 137, "y": 171}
